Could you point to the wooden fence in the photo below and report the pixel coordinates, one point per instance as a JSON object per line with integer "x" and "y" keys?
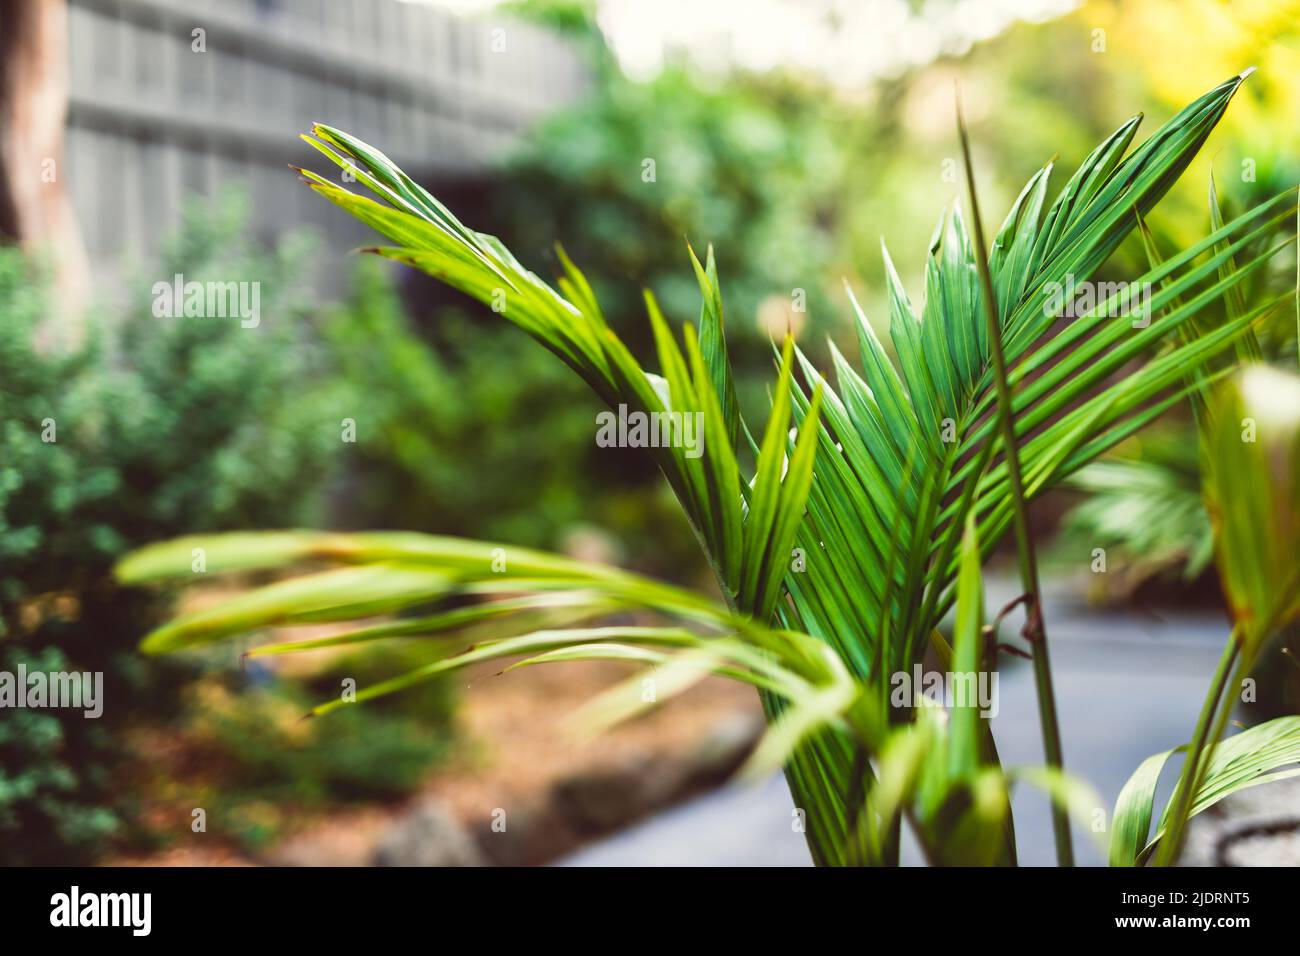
{"x": 170, "y": 97}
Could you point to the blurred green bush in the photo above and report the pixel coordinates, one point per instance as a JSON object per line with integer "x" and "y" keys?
{"x": 429, "y": 418}
{"x": 466, "y": 427}
{"x": 158, "y": 427}
{"x": 754, "y": 164}
{"x": 164, "y": 427}
{"x": 260, "y": 766}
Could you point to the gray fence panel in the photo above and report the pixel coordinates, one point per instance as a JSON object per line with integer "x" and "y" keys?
{"x": 151, "y": 120}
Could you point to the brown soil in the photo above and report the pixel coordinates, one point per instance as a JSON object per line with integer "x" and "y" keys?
{"x": 513, "y": 745}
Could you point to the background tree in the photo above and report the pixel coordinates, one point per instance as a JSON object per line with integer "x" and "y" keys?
{"x": 35, "y": 207}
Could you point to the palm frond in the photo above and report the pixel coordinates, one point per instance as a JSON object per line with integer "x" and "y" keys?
{"x": 1261, "y": 754}
{"x": 870, "y": 488}
{"x": 940, "y": 773}
{"x": 1251, "y": 459}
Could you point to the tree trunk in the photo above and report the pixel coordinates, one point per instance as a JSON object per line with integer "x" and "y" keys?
{"x": 35, "y": 207}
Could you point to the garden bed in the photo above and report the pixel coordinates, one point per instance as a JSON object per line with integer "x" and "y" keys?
{"x": 512, "y": 753}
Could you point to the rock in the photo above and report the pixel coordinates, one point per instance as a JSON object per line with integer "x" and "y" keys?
{"x": 587, "y": 803}
{"x": 533, "y": 834}
{"x": 1255, "y": 827}
{"x": 428, "y": 836}
{"x": 604, "y": 798}
{"x": 345, "y": 840}
{"x": 728, "y": 743}
{"x": 1276, "y": 843}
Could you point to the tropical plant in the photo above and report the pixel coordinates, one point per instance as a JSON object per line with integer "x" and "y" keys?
{"x": 841, "y": 554}
{"x": 1144, "y": 503}
{"x": 1144, "y": 507}
{"x": 1251, "y": 457}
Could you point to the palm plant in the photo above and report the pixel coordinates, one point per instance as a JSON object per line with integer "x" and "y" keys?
{"x": 1251, "y": 458}
{"x": 856, "y": 533}
{"x": 1145, "y": 501}
{"x": 1144, "y": 507}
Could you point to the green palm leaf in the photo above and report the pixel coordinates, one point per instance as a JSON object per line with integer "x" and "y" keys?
{"x": 890, "y": 468}
{"x": 1260, "y": 754}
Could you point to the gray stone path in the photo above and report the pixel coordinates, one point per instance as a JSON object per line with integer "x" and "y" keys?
{"x": 1127, "y": 685}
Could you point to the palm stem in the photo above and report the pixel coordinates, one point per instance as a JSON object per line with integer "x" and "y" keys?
{"x": 1034, "y": 631}
{"x": 1194, "y": 767}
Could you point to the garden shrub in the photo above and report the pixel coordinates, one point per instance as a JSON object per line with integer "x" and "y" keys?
{"x": 262, "y": 767}
{"x": 434, "y": 402}
{"x": 159, "y": 427}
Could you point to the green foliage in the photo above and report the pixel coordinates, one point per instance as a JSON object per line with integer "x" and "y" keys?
{"x": 160, "y": 426}
{"x": 756, "y": 167}
{"x": 1246, "y": 759}
{"x": 432, "y": 398}
{"x": 892, "y": 517}
{"x": 1252, "y": 490}
{"x": 1251, "y": 460}
{"x": 1144, "y": 503}
{"x": 160, "y": 423}
{"x": 1144, "y": 507}
{"x": 943, "y": 774}
{"x": 270, "y": 764}
{"x": 56, "y": 800}
{"x": 425, "y": 412}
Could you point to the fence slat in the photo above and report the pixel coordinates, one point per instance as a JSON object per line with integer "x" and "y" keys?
{"x": 152, "y": 119}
